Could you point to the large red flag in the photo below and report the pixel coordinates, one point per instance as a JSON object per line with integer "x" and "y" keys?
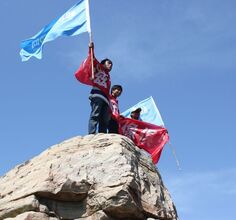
{"x": 149, "y": 137}
{"x": 101, "y": 76}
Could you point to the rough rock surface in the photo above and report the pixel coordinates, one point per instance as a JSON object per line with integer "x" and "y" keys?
{"x": 103, "y": 176}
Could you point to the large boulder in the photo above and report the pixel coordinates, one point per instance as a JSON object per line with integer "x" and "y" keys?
{"x": 103, "y": 176}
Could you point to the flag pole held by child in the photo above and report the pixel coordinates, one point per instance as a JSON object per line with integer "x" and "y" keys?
{"x": 90, "y": 35}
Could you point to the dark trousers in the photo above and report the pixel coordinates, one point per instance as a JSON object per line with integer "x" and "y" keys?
{"x": 99, "y": 116}
{"x": 113, "y": 126}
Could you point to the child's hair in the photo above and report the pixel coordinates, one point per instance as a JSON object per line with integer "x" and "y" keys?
{"x": 117, "y": 87}
{"x": 104, "y": 61}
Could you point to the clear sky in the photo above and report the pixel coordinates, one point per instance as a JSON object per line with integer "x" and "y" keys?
{"x": 182, "y": 52}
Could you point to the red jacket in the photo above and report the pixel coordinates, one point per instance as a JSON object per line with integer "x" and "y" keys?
{"x": 101, "y": 75}
{"x": 114, "y": 107}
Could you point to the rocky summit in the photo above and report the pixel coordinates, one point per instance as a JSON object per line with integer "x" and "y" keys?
{"x": 103, "y": 176}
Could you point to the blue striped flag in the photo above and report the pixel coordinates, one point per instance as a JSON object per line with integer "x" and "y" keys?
{"x": 75, "y": 21}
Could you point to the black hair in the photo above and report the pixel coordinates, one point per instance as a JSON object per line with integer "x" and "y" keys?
{"x": 117, "y": 87}
{"x": 106, "y": 59}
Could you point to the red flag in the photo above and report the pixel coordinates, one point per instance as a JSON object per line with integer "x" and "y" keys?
{"x": 149, "y": 137}
{"x": 101, "y": 76}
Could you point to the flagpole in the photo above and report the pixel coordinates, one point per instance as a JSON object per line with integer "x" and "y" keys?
{"x": 90, "y": 35}
{"x": 173, "y": 152}
{"x": 92, "y": 54}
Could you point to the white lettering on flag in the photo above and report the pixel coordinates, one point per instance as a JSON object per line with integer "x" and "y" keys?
{"x": 129, "y": 130}
{"x": 145, "y": 136}
{"x": 101, "y": 79}
{"x": 37, "y": 42}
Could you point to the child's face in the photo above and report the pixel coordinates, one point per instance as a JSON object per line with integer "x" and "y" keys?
{"x": 135, "y": 115}
{"x": 108, "y": 65}
{"x": 116, "y": 93}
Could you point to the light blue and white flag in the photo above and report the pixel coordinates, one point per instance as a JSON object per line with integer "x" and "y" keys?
{"x": 75, "y": 21}
{"x": 149, "y": 113}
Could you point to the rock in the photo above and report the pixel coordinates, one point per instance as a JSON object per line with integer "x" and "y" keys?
{"x": 32, "y": 216}
{"x": 95, "y": 177}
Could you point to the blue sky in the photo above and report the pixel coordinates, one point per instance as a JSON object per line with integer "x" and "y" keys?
{"x": 182, "y": 52}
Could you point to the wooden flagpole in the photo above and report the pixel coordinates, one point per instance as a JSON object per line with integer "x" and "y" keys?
{"x": 90, "y": 35}
{"x": 92, "y": 54}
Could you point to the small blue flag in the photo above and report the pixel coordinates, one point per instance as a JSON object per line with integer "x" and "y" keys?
{"x": 149, "y": 112}
{"x": 75, "y": 21}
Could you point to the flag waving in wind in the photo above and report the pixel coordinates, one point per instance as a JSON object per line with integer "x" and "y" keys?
{"x": 149, "y": 137}
{"x": 148, "y": 132}
{"x": 75, "y": 21}
{"x": 149, "y": 113}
